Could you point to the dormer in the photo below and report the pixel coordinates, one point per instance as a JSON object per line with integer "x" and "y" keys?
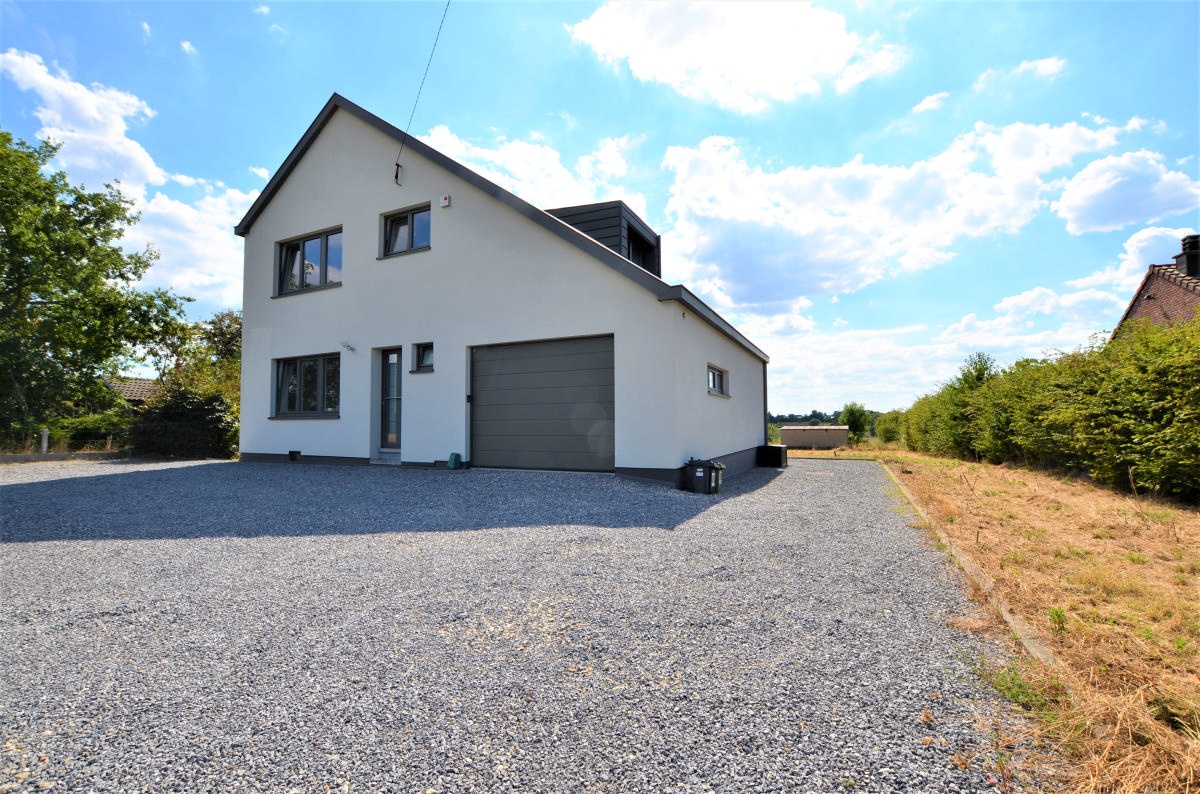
{"x": 613, "y": 224}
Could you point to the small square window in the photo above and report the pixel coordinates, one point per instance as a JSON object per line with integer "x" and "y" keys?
{"x": 422, "y": 357}
{"x": 718, "y": 381}
{"x": 406, "y": 231}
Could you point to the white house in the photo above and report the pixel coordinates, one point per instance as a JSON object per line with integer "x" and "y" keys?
{"x": 400, "y": 308}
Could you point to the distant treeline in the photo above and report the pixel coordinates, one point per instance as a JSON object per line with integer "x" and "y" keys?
{"x": 1125, "y": 411}
{"x": 811, "y": 418}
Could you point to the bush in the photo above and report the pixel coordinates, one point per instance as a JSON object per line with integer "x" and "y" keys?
{"x": 92, "y": 430}
{"x": 887, "y": 427}
{"x": 1127, "y": 412}
{"x": 183, "y": 423}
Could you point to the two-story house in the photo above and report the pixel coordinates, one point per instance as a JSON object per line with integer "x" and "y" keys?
{"x": 399, "y": 307}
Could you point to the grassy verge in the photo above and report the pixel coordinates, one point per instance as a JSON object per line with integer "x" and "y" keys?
{"x": 1112, "y": 584}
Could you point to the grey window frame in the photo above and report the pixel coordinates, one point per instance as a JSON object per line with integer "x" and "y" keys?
{"x": 409, "y": 215}
{"x": 281, "y": 270}
{"x": 718, "y": 381}
{"x": 323, "y": 411}
{"x": 417, "y": 351}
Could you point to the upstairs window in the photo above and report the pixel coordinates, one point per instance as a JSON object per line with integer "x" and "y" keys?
{"x": 311, "y": 262}
{"x": 406, "y": 231}
{"x": 308, "y": 387}
{"x": 718, "y": 381}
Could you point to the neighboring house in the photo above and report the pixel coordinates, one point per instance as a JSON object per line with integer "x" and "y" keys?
{"x": 399, "y": 307}
{"x": 1168, "y": 294}
{"x": 136, "y": 391}
{"x": 815, "y": 436}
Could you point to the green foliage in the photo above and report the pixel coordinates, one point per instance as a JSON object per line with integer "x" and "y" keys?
{"x": 184, "y": 423}
{"x": 857, "y": 419}
{"x": 69, "y": 311}
{"x": 208, "y": 358}
{"x": 1126, "y": 412}
{"x": 93, "y": 429}
{"x": 773, "y": 435}
{"x": 888, "y": 427}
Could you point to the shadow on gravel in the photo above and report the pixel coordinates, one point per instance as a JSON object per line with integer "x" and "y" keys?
{"x": 226, "y": 499}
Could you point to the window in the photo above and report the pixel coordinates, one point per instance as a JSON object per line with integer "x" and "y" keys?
{"x": 307, "y": 387}
{"x": 310, "y": 263}
{"x": 718, "y": 381}
{"x": 422, "y": 357}
{"x": 406, "y": 231}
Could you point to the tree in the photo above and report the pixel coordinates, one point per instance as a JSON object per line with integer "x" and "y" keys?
{"x": 856, "y": 419}
{"x": 208, "y": 358}
{"x": 69, "y": 307}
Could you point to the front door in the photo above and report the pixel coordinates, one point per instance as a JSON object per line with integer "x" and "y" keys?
{"x": 389, "y": 408}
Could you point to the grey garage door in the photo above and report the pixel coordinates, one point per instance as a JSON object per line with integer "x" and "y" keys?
{"x": 543, "y": 405}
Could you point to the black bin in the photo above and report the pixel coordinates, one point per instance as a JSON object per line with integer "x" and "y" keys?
{"x": 773, "y": 456}
{"x": 702, "y": 476}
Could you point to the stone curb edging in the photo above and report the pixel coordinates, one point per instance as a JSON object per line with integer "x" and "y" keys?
{"x": 1025, "y": 633}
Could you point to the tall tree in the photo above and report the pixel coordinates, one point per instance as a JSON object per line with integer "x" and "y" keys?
{"x": 857, "y": 419}
{"x": 69, "y": 307}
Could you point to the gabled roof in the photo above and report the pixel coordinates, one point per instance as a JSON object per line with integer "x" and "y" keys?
{"x": 1188, "y": 296}
{"x": 588, "y": 245}
{"x": 134, "y": 390}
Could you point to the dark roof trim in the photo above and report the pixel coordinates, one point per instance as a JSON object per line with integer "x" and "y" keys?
{"x": 570, "y": 234}
{"x": 683, "y": 295}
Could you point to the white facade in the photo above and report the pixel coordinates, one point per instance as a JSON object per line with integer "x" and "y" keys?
{"x": 496, "y": 271}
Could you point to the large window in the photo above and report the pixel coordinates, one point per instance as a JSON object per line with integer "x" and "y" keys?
{"x": 311, "y": 262}
{"x": 406, "y": 231}
{"x": 307, "y": 387}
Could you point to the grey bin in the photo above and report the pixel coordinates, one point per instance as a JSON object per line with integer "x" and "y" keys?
{"x": 703, "y": 476}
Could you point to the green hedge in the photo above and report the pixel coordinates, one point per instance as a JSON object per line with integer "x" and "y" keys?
{"x": 1125, "y": 411}
{"x": 183, "y": 423}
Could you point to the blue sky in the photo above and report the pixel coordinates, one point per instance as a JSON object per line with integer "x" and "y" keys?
{"x": 869, "y": 191}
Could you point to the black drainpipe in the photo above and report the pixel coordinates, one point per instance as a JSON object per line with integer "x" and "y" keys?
{"x": 766, "y": 416}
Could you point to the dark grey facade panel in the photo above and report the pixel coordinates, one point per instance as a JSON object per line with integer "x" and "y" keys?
{"x": 544, "y": 405}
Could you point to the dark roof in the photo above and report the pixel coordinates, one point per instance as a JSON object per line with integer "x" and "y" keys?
{"x": 135, "y": 390}
{"x": 563, "y": 230}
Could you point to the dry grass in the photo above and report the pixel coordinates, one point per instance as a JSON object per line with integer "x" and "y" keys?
{"x": 1111, "y": 582}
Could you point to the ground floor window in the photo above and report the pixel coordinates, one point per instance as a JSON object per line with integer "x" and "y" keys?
{"x": 307, "y": 387}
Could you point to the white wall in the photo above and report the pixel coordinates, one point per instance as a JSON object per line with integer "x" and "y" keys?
{"x": 491, "y": 276}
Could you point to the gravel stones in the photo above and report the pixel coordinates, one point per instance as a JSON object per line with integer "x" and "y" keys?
{"x": 223, "y": 626}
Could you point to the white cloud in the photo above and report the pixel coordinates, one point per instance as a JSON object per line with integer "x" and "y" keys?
{"x": 747, "y": 232}
{"x": 1155, "y": 245}
{"x": 261, "y": 173}
{"x": 1046, "y": 67}
{"x": 742, "y": 56}
{"x": 1121, "y": 190}
{"x": 145, "y": 30}
{"x": 536, "y": 173}
{"x": 264, "y": 10}
{"x": 187, "y": 47}
{"x": 200, "y": 256}
{"x": 931, "y": 102}
{"x": 90, "y": 123}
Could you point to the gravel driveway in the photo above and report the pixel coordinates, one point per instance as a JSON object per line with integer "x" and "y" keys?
{"x": 241, "y": 627}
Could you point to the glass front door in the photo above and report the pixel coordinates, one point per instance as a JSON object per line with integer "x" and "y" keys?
{"x": 389, "y": 416}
